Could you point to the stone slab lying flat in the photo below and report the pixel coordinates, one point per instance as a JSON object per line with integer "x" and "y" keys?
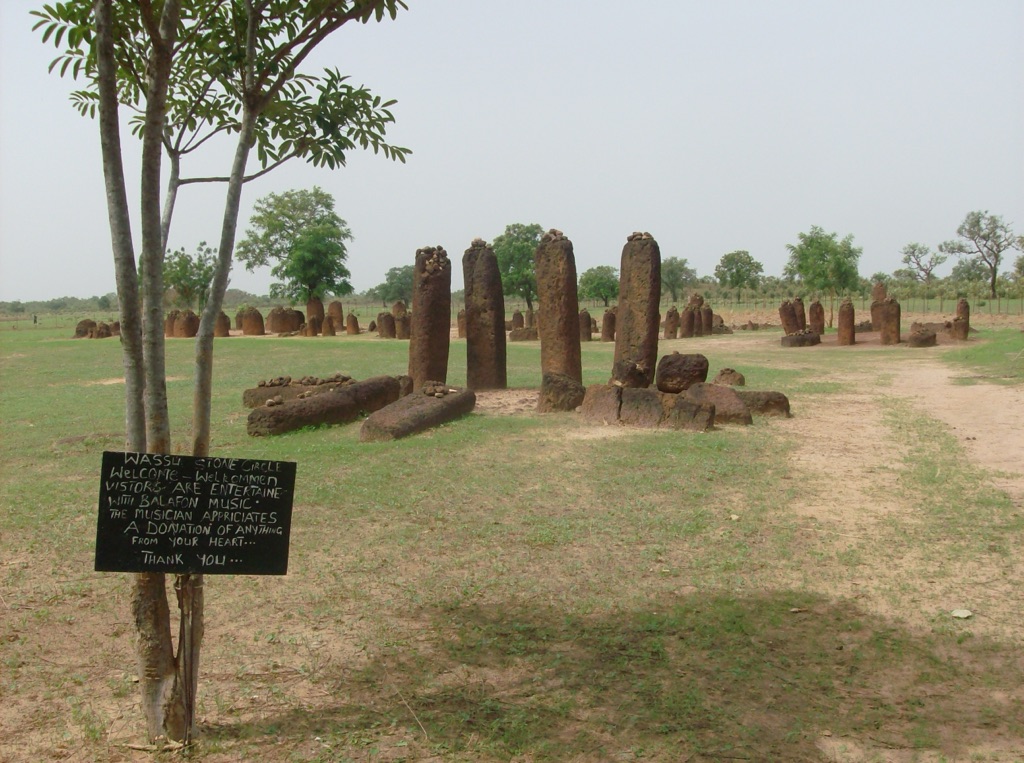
{"x": 341, "y": 406}
{"x": 417, "y": 412}
{"x": 801, "y": 340}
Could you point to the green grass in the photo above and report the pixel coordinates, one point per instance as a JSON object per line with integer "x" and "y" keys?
{"x": 499, "y": 587}
{"x": 993, "y": 355}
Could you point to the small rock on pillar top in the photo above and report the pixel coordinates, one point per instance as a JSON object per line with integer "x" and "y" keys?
{"x": 672, "y": 323}
{"x": 486, "y": 362}
{"x": 816, "y": 317}
{"x": 637, "y": 318}
{"x": 586, "y": 326}
{"x": 558, "y": 329}
{"x": 889, "y": 316}
{"x": 430, "y": 331}
{"x": 608, "y": 325}
{"x": 847, "y": 333}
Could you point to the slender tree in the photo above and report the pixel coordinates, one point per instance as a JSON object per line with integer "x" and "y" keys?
{"x": 515, "y": 249}
{"x": 738, "y": 270}
{"x": 676, "y": 275}
{"x": 599, "y": 282}
{"x": 921, "y": 262}
{"x": 190, "y": 72}
{"x": 984, "y": 238}
{"x": 823, "y": 263}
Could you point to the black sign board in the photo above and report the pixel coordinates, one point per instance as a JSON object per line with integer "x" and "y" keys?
{"x": 180, "y": 514}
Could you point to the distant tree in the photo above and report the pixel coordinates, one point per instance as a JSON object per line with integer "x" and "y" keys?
{"x": 823, "y": 263}
{"x": 104, "y": 302}
{"x": 514, "y": 250}
{"x": 600, "y": 282}
{"x": 315, "y": 265}
{"x": 1018, "y": 271}
{"x": 738, "y": 270}
{"x": 301, "y": 235}
{"x": 971, "y": 270}
{"x": 190, "y": 275}
{"x": 397, "y": 286}
{"x": 676, "y": 275}
{"x": 921, "y": 262}
{"x": 985, "y": 238}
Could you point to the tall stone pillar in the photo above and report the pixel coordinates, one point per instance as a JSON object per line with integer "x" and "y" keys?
{"x": 800, "y": 313}
{"x": 707, "y": 319}
{"x": 586, "y": 326}
{"x": 672, "y": 323}
{"x": 889, "y": 316}
{"x": 558, "y": 320}
{"x": 847, "y": 330}
{"x": 315, "y": 309}
{"x": 816, "y": 317}
{"x": 486, "y": 360}
{"x": 351, "y": 324}
{"x": 787, "y": 315}
{"x": 962, "y": 322}
{"x": 637, "y": 319}
{"x": 430, "y": 331}
{"x": 687, "y": 322}
{"x": 608, "y": 325}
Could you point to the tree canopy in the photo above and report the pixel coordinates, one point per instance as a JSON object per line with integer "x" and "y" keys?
{"x": 921, "y": 262}
{"x": 514, "y": 250}
{"x": 397, "y": 286}
{"x": 676, "y": 275}
{"x": 823, "y": 263}
{"x": 599, "y": 282}
{"x": 984, "y": 238}
{"x": 190, "y": 275}
{"x": 300, "y": 234}
{"x": 738, "y": 270}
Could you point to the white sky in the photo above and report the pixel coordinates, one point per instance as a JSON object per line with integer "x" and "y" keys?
{"x": 716, "y": 126}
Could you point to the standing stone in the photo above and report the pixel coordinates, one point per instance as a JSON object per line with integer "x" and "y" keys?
{"x": 558, "y": 320}
{"x": 312, "y": 326}
{"x": 636, "y": 329}
{"x": 380, "y": 324}
{"x": 586, "y": 326}
{"x": 336, "y": 312}
{"x": 385, "y": 326}
{"x": 186, "y": 324}
{"x": 460, "y": 321}
{"x": 169, "y": 321}
{"x": 707, "y": 320}
{"x": 672, "y": 323}
{"x": 961, "y": 326}
{"x": 801, "y": 314}
{"x": 238, "y": 318}
{"x": 315, "y": 309}
{"x": 816, "y": 317}
{"x": 698, "y": 320}
{"x": 889, "y": 317}
{"x": 222, "y": 326}
{"x": 518, "y": 322}
{"x": 879, "y": 292}
{"x": 847, "y": 332}
{"x": 351, "y": 324}
{"x": 327, "y": 327}
{"x": 403, "y": 326}
{"x": 484, "y": 319}
{"x": 430, "y": 332}
{"x": 252, "y": 322}
{"x": 687, "y": 321}
{"x": 608, "y": 325}
{"x": 787, "y": 314}
{"x": 399, "y": 309}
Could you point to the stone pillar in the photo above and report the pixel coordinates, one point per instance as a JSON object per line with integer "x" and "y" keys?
{"x": 608, "y": 325}
{"x": 252, "y": 322}
{"x": 460, "y": 322}
{"x": 961, "y": 327}
{"x": 801, "y": 314}
{"x": 586, "y": 326}
{"x": 336, "y": 312}
{"x": 518, "y": 321}
{"x": 327, "y": 327}
{"x": 315, "y": 309}
{"x": 636, "y": 323}
{"x": 847, "y": 332}
{"x": 707, "y": 320}
{"x": 878, "y": 295}
{"x": 386, "y": 326}
{"x": 484, "y": 316}
{"x": 312, "y": 326}
{"x": 559, "y": 331}
{"x": 399, "y": 309}
{"x": 816, "y": 317}
{"x": 787, "y": 314}
{"x": 687, "y": 321}
{"x": 351, "y": 324}
{"x": 403, "y": 326}
{"x": 889, "y": 315}
{"x": 672, "y": 323}
{"x": 222, "y": 326}
{"x": 431, "y": 326}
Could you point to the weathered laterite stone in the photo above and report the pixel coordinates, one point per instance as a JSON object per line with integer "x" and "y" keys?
{"x": 801, "y": 314}
{"x": 672, "y": 323}
{"x": 922, "y": 338}
{"x": 169, "y": 321}
{"x": 344, "y": 404}
{"x": 586, "y": 326}
{"x": 312, "y": 327}
{"x": 484, "y": 319}
{"x": 336, "y": 312}
{"x": 86, "y": 326}
{"x": 252, "y": 322}
{"x": 523, "y": 335}
{"x": 816, "y": 317}
{"x": 765, "y": 403}
{"x": 351, "y": 324}
{"x": 399, "y": 309}
{"x": 315, "y": 309}
{"x": 889, "y": 321}
{"x": 186, "y": 324}
{"x": 801, "y": 339}
{"x": 729, "y": 377}
{"x": 847, "y": 331}
{"x": 222, "y": 325}
{"x": 518, "y": 321}
{"x": 430, "y": 333}
{"x": 729, "y": 407}
{"x": 460, "y": 322}
{"x": 403, "y": 326}
{"x": 687, "y": 322}
{"x": 559, "y": 331}
{"x": 327, "y": 328}
{"x": 677, "y": 371}
{"x": 707, "y": 320}
{"x": 431, "y": 406}
{"x": 386, "y": 326}
{"x": 960, "y": 328}
{"x": 608, "y": 325}
{"x": 787, "y": 315}
{"x": 637, "y": 319}
{"x": 559, "y": 392}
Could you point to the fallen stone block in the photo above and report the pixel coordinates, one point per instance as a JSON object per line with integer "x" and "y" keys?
{"x": 432, "y": 405}
{"x": 804, "y": 339}
{"x": 729, "y": 407}
{"x": 766, "y": 403}
{"x": 601, "y": 403}
{"x": 341, "y": 406}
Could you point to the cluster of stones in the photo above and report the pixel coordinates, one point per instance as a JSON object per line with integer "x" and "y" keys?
{"x": 345, "y": 403}
{"x": 87, "y": 328}
{"x": 284, "y": 388}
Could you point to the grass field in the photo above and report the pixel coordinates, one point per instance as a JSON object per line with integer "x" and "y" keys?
{"x": 531, "y": 587}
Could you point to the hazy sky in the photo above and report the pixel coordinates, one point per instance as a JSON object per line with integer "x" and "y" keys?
{"x": 714, "y": 125}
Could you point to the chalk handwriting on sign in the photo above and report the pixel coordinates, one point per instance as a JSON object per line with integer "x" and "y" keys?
{"x": 180, "y": 514}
